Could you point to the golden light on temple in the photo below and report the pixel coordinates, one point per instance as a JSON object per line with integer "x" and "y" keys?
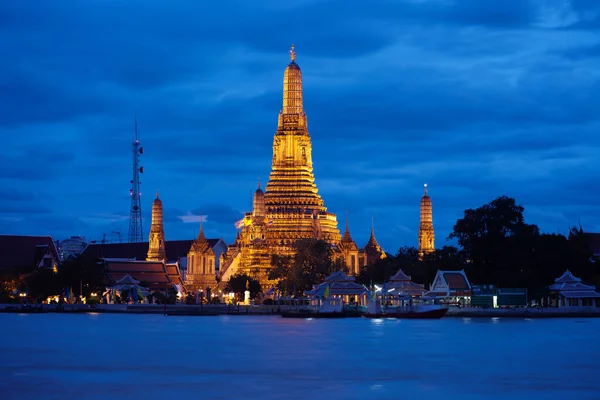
{"x": 290, "y": 207}
{"x": 156, "y": 247}
{"x": 426, "y": 232}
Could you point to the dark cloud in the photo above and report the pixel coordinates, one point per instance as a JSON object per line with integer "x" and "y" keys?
{"x": 476, "y": 98}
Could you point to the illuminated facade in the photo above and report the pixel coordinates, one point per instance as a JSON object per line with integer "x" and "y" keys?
{"x": 290, "y": 208}
{"x": 201, "y": 264}
{"x": 156, "y": 247}
{"x": 426, "y": 234}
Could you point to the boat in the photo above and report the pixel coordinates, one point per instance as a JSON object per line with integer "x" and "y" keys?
{"x": 412, "y": 312}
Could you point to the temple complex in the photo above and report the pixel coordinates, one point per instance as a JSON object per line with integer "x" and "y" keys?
{"x": 290, "y": 208}
{"x": 156, "y": 248}
{"x": 426, "y": 234}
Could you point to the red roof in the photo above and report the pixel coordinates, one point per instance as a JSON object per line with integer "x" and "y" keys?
{"x": 152, "y": 274}
{"x": 456, "y": 281}
{"x": 25, "y": 251}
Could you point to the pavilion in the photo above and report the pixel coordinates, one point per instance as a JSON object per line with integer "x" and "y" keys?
{"x": 451, "y": 287}
{"x": 341, "y": 287}
{"x": 567, "y": 291}
{"x": 135, "y": 292}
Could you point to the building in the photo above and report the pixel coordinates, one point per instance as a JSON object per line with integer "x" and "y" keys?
{"x": 203, "y": 262}
{"x": 426, "y": 233}
{"x": 401, "y": 285}
{"x": 23, "y": 254}
{"x": 450, "y": 287}
{"x": 290, "y": 208}
{"x": 339, "y": 286}
{"x": 71, "y": 247}
{"x": 488, "y": 296}
{"x": 567, "y": 291}
{"x": 155, "y": 275}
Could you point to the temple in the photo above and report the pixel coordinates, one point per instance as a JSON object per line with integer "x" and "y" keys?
{"x": 202, "y": 264}
{"x": 426, "y": 234}
{"x": 156, "y": 248}
{"x": 290, "y": 208}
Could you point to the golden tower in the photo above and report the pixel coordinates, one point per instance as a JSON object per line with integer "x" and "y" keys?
{"x": 290, "y": 208}
{"x": 156, "y": 247}
{"x": 426, "y": 234}
{"x": 292, "y": 201}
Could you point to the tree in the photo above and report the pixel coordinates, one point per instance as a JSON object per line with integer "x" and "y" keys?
{"x": 497, "y": 243}
{"x": 237, "y": 284}
{"x": 82, "y": 272}
{"x": 311, "y": 264}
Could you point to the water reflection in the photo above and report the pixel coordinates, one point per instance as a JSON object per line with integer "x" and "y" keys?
{"x": 148, "y": 356}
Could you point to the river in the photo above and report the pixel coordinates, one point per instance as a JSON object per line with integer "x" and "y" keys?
{"x": 106, "y": 356}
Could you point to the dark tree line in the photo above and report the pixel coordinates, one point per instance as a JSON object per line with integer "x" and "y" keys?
{"x": 497, "y": 246}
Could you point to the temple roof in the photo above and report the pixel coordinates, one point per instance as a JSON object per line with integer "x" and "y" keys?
{"x": 127, "y": 280}
{"x": 348, "y": 288}
{"x": 400, "y": 276}
{"x": 456, "y": 280}
{"x": 568, "y": 282}
{"x": 25, "y": 251}
{"x": 347, "y": 240}
{"x": 339, "y": 276}
{"x": 151, "y": 273}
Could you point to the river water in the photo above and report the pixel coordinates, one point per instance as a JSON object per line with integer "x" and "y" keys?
{"x": 106, "y": 356}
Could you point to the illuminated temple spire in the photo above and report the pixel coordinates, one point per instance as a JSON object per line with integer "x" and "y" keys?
{"x": 156, "y": 247}
{"x": 292, "y": 87}
{"x": 426, "y": 233}
{"x": 347, "y": 238}
{"x": 292, "y": 200}
{"x": 373, "y": 249}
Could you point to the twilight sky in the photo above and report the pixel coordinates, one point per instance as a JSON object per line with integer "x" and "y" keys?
{"x": 477, "y": 98}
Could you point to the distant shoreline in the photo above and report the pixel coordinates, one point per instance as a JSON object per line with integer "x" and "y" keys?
{"x": 274, "y": 310}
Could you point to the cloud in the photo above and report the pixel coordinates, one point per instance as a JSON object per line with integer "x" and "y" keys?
{"x": 476, "y": 98}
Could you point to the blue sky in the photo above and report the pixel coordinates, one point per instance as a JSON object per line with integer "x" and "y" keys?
{"x": 476, "y": 98}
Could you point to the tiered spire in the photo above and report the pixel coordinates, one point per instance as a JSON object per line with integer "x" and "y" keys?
{"x": 347, "y": 240}
{"x": 372, "y": 243}
{"x": 292, "y": 87}
{"x": 292, "y": 201}
{"x": 426, "y": 232}
{"x": 258, "y": 208}
{"x": 200, "y": 244}
{"x": 156, "y": 247}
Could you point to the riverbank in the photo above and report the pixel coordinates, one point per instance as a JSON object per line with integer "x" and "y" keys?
{"x": 523, "y": 313}
{"x": 223, "y": 309}
{"x": 169, "y": 309}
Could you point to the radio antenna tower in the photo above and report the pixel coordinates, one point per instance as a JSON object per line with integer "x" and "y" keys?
{"x": 135, "y": 213}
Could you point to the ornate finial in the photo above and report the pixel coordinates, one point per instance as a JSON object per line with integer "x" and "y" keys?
{"x": 373, "y": 226}
{"x": 259, "y": 182}
{"x": 292, "y": 53}
{"x": 157, "y": 194}
{"x": 346, "y": 219}
{"x": 425, "y": 189}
